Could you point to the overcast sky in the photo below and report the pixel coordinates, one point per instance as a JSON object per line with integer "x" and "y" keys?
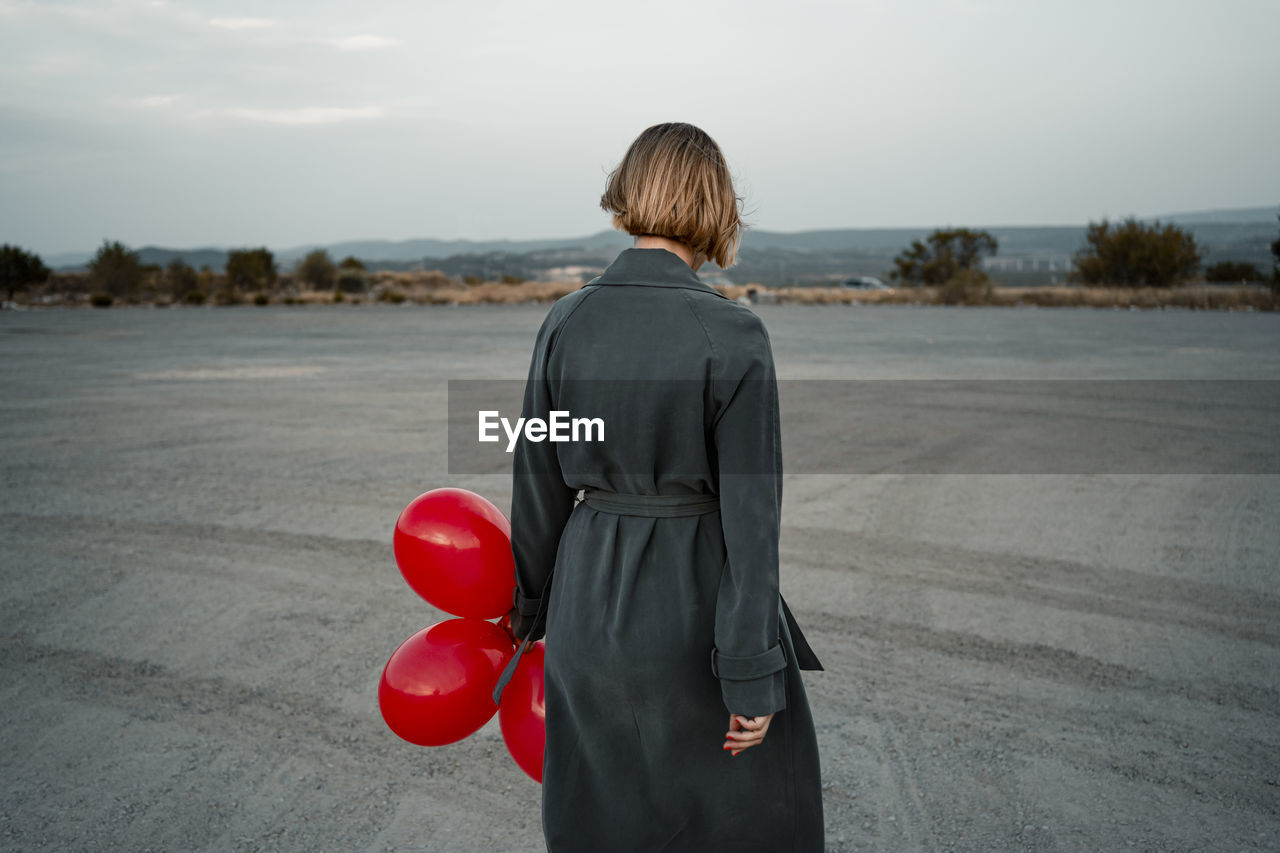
{"x": 200, "y": 123}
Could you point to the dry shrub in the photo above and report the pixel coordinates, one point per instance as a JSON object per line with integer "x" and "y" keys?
{"x": 1134, "y": 254}
{"x": 850, "y": 296}
{"x": 966, "y": 287}
{"x": 351, "y": 280}
{"x": 1203, "y": 297}
{"x": 395, "y": 278}
{"x": 734, "y": 291}
{"x": 67, "y": 282}
{"x": 313, "y": 297}
{"x": 433, "y": 287}
{"x": 435, "y": 278}
{"x": 510, "y": 294}
{"x": 425, "y": 287}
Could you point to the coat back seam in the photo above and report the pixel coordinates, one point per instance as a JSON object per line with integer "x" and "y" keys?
{"x": 559, "y": 327}
{"x": 715, "y": 353}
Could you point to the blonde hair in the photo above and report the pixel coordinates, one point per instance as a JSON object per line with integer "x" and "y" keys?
{"x": 673, "y": 182}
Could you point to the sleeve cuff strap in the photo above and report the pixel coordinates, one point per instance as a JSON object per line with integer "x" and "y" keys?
{"x": 526, "y": 606}
{"x": 747, "y": 668}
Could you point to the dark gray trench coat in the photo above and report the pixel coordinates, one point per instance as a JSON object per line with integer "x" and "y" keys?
{"x": 662, "y": 614}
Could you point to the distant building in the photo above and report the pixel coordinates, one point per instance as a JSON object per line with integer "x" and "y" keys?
{"x": 570, "y": 273}
{"x": 1031, "y": 263}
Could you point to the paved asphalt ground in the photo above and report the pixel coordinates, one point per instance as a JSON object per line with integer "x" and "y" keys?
{"x": 198, "y": 589}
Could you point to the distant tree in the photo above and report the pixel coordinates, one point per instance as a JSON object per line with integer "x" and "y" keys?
{"x": 351, "y": 262}
{"x": 19, "y": 269}
{"x": 1232, "y": 271}
{"x": 1133, "y": 254}
{"x": 942, "y": 255}
{"x": 205, "y": 281}
{"x": 115, "y": 270}
{"x": 250, "y": 269}
{"x": 317, "y": 270}
{"x": 966, "y": 287}
{"x": 180, "y": 278}
{"x": 351, "y": 280}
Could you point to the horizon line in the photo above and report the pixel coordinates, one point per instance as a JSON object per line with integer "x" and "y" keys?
{"x": 320, "y": 244}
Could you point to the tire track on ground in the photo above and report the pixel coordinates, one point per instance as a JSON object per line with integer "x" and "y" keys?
{"x": 1063, "y": 584}
{"x": 284, "y": 546}
{"x": 240, "y": 738}
{"x": 1041, "y": 661}
{"x": 1102, "y": 727}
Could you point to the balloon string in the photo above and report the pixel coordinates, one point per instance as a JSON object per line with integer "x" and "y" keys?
{"x": 510, "y": 669}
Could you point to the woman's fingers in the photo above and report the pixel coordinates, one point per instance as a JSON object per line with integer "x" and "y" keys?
{"x": 742, "y": 736}
{"x": 736, "y": 746}
{"x": 751, "y": 724}
{"x": 745, "y": 732}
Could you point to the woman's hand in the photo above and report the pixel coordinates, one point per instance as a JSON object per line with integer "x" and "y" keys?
{"x": 745, "y": 732}
{"x": 509, "y": 623}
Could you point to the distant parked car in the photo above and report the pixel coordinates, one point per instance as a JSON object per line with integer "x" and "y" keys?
{"x": 865, "y": 282}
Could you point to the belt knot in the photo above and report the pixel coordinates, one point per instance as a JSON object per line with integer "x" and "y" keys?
{"x": 655, "y": 506}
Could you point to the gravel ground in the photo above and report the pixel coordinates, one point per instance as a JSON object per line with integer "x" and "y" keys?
{"x": 199, "y": 592}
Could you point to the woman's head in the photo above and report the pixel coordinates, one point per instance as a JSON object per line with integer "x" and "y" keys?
{"x": 673, "y": 182}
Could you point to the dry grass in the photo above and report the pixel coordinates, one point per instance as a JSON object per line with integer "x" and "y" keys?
{"x": 837, "y": 295}
{"x": 432, "y": 287}
{"x": 1206, "y": 297}
{"x": 1197, "y": 296}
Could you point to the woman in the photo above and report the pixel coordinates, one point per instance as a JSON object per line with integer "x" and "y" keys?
{"x": 676, "y": 714}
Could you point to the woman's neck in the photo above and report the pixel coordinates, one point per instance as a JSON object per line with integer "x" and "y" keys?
{"x": 649, "y": 241}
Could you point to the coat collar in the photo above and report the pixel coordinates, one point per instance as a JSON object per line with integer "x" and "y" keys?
{"x": 655, "y": 267}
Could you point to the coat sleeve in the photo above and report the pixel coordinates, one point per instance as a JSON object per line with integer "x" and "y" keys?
{"x": 540, "y": 500}
{"x": 748, "y": 657}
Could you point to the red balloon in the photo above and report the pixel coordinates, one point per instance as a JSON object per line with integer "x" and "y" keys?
{"x": 523, "y": 715}
{"x": 454, "y": 549}
{"x": 437, "y": 687}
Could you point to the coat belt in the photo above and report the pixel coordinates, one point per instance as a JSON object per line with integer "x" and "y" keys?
{"x": 667, "y": 506}
{"x": 656, "y": 506}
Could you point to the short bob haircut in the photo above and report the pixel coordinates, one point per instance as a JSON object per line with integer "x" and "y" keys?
{"x": 673, "y": 182}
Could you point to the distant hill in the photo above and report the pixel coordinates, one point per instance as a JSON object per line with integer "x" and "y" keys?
{"x": 374, "y": 252}
{"x": 197, "y": 258}
{"x": 406, "y": 250}
{"x": 1241, "y": 215}
{"x": 1027, "y": 254}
